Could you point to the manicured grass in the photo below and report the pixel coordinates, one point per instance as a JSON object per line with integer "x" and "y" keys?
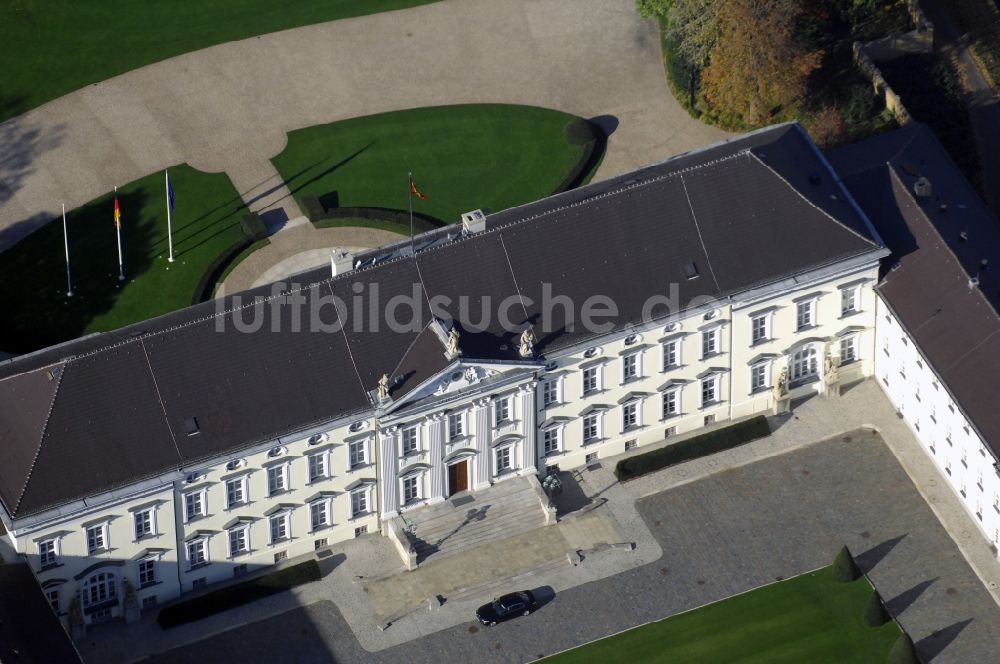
{"x": 462, "y": 158}
{"x": 206, "y": 221}
{"x": 48, "y": 49}
{"x": 810, "y": 618}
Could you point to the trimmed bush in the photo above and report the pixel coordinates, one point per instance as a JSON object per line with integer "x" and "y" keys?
{"x": 902, "y": 651}
{"x": 253, "y": 227}
{"x": 398, "y": 219}
{"x": 693, "y": 448}
{"x": 875, "y": 613}
{"x": 314, "y": 207}
{"x": 844, "y": 568}
{"x": 238, "y": 594}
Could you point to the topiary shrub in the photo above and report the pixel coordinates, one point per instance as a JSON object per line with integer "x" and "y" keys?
{"x": 844, "y": 568}
{"x": 875, "y": 613}
{"x": 253, "y": 227}
{"x": 902, "y": 651}
{"x": 580, "y": 132}
{"x": 315, "y": 209}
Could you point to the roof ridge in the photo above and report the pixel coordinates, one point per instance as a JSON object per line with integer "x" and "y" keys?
{"x": 416, "y": 338}
{"x": 159, "y": 397}
{"x": 809, "y": 202}
{"x": 697, "y": 227}
{"x": 41, "y": 437}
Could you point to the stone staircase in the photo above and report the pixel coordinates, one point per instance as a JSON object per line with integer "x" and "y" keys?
{"x": 473, "y": 519}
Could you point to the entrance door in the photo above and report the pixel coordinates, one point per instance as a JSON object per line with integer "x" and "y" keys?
{"x": 458, "y": 477}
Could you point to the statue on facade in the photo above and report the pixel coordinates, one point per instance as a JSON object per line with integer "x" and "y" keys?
{"x": 780, "y": 388}
{"x": 383, "y": 388}
{"x": 453, "y": 341}
{"x": 830, "y": 369}
{"x": 527, "y": 343}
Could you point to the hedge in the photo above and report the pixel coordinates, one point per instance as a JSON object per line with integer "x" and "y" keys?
{"x": 593, "y": 152}
{"x": 253, "y": 227}
{"x": 238, "y": 594}
{"x": 844, "y": 568}
{"x": 902, "y": 651}
{"x": 218, "y": 269}
{"x": 693, "y": 448}
{"x": 875, "y": 613}
{"x": 400, "y": 219}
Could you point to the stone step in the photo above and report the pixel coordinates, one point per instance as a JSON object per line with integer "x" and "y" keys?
{"x": 451, "y": 521}
{"x": 440, "y": 528}
{"x": 426, "y": 543}
{"x": 448, "y": 512}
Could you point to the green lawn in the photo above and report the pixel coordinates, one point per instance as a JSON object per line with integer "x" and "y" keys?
{"x": 50, "y": 48}
{"x": 462, "y": 158}
{"x": 206, "y": 221}
{"x": 810, "y": 618}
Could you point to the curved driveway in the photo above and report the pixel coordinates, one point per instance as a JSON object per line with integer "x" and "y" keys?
{"x": 229, "y": 107}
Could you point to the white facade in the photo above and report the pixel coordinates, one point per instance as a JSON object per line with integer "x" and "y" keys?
{"x": 938, "y": 422}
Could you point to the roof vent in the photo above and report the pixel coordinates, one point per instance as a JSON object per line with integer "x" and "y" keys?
{"x": 341, "y": 261}
{"x": 474, "y": 222}
{"x": 922, "y": 188}
{"x": 973, "y": 282}
{"x": 983, "y": 264}
{"x": 53, "y": 373}
{"x": 963, "y": 236}
{"x": 691, "y": 271}
{"x": 191, "y": 426}
{"x": 943, "y": 208}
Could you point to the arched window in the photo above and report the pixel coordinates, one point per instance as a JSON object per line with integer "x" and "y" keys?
{"x": 804, "y": 364}
{"x": 100, "y": 587}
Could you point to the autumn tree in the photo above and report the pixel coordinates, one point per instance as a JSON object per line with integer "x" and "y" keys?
{"x": 691, "y": 24}
{"x": 759, "y": 65}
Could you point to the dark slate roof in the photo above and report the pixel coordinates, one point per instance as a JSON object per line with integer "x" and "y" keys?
{"x": 30, "y": 633}
{"x": 927, "y": 281}
{"x": 747, "y": 212}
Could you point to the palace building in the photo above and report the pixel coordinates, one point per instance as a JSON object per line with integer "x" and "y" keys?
{"x": 185, "y": 450}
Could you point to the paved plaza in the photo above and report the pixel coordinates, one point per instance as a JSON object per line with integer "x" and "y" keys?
{"x": 703, "y": 531}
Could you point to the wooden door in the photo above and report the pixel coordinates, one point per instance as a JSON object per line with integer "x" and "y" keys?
{"x": 458, "y": 477}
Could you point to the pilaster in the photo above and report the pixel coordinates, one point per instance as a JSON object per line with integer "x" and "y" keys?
{"x": 529, "y": 453}
{"x": 435, "y": 456}
{"x": 388, "y": 452}
{"x": 481, "y": 416}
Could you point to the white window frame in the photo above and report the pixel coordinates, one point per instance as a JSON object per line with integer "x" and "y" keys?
{"x": 805, "y": 314}
{"x": 715, "y": 384}
{"x": 631, "y": 410}
{"x": 631, "y": 366}
{"x": 766, "y": 333}
{"x": 278, "y": 473}
{"x": 56, "y": 542}
{"x": 505, "y": 452}
{"x": 597, "y": 417}
{"x": 595, "y": 373}
{"x": 711, "y": 342}
{"x": 503, "y": 410}
{"x": 414, "y": 480}
{"x": 665, "y": 347}
{"x": 549, "y": 434}
{"x": 109, "y": 581}
{"x": 327, "y": 513}
{"x": 353, "y": 460}
{"x": 806, "y": 356}
{"x": 321, "y": 458}
{"x": 243, "y": 528}
{"x": 365, "y": 493}
{"x": 153, "y": 531}
{"x": 675, "y": 393}
{"x": 202, "y": 495}
{"x": 102, "y": 529}
{"x": 848, "y": 342}
{"x": 52, "y": 598}
{"x": 405, "y": 447}
{"x": 151, "y": 560}
{"x": 854, "y": 292}
{"x": 764, "y": 369}
{"x": 244, "y": 497}
{"x": 456, "y": 426}
{"x": 205, "y": 552}
{"x": 282, "y": 518}
{"x": 551, "y": 390}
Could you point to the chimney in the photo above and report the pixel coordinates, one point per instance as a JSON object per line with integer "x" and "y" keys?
{"x": 341, "y": 261}
{"x": 922, "y": 188}
{"x": 474, "y": 222}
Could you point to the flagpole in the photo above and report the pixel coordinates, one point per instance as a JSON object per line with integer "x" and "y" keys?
{"x": 118, "y": 234}
{"x": 409, "y": 193}
{"x": 170, "y": 238}
{"x": 69, "y": 278}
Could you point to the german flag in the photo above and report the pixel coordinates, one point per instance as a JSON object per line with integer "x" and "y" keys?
{"x": 118, "y": 214}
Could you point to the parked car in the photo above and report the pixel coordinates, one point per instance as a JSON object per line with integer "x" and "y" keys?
{"x": 506, "y": 607}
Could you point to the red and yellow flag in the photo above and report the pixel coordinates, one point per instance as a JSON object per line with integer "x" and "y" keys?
{"x": 415, "y": 191}
{"x": 118, "y": 214}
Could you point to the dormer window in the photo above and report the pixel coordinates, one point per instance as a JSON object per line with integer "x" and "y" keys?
{"x": 358, "y": 426}
{"x": 591, "y": 352}
{"x": 275, "y": 452}
{"x": 318, "y": 438}
{"x": 631, "y": 339}
{"x": 191, "y": 426}
{"x": 235, "y": 464}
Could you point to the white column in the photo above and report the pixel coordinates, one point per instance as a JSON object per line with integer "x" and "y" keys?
{"x": 481, "y": 416}
{"x": 529, "y": 453}
{"x": 388, "y": 461}
{"x": 434, "y": 429}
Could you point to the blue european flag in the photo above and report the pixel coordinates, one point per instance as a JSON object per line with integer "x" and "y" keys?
{"x": 170, "y": 193}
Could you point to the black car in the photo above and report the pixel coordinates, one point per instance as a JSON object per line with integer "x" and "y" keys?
{"x": 506, "y": 607}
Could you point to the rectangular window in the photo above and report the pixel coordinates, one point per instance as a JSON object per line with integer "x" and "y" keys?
{"x": 147, "y": 572}
{"x": 758, "y": 377}
{"x": 238, "y": 541}
{"x": 239, "y": 570}
{"x": 671, "y": 403}
{"x": 590, "y": 428}
{"x": 671, "y": 354}
{"x": 456, "y": 426}
{"x": 409, "y": 441}
{"x": 411, "y": 491}
{"x": 503, "y": 410}
{"x": 199, "y": 583}
{"x": 804, "y": 315}
{"x": 630, "y": 415}
{"x": 279, "y": 527}
{"x": 317, "y": 466}
{"x": 590, "y": 382}
{"x": 193, "y": 505}
{"x": 47, "y": 553}
{"x": 709, "y": 342}
{"x": 550, "y": 392}
{"x": 631, "y": 444}
{"x": 276, "y": 479}
{"x": 550, "y": 440}
{"x": 279, "y": 556}
{"x": 669, "y": 431}
{"x": 319, "y": 514}
{"x": 848, "y": 301}
{"x": 758, "y": 328}
{"x": 320, "y": 543}
{"x": 503, "y": 459}
{"x": 52, "y": 597}
{"x": 591, "y": 458}
{"x": 360, "y": 530}
{"x": 709, "y": 391}
{"x": 95, "y": 538}
{"x": 630, "y": 367}
{"x": 234, "y": 492}
{"x": 359, "y": 502}
{"x": 142, "y": 522}
{"x": 196, "y": 553}
{"x": 356, "y": 452}
{"x": 709, "y": 420}
{"x": 848, "y": 349}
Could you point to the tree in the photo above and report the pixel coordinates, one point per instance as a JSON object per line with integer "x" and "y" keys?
{"x": 759, "y": 64}
{"x": 691, "y": 24}
{"x": 875, "y": 613}
{"x": 902, "y": 651}
{"x": 844, "y": 567}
